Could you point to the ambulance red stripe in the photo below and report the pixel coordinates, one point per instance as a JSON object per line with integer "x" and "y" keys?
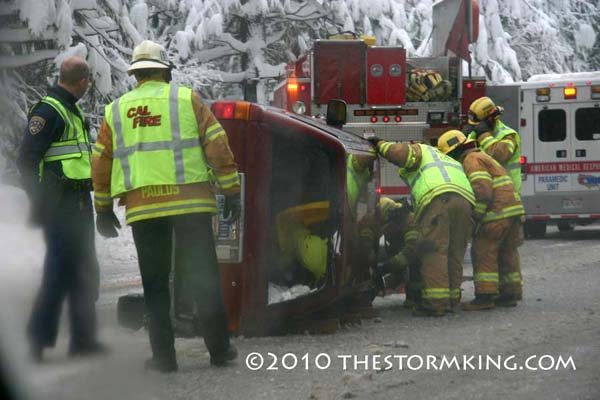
{"x": 563, "y": 167}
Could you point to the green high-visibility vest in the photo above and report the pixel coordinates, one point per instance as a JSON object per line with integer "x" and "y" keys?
{"x": 355, "y": 180}
{"x": 72, "y": 149}
{"x": 155, "y": 138}
{"x": 437, "y": 174}
{"x": 513, "y": 165}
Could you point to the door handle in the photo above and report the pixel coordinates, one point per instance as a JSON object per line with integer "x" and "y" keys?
{"x": 580, "y": 153}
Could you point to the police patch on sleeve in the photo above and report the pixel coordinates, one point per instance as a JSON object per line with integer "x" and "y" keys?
{"x": 36, "y": 124}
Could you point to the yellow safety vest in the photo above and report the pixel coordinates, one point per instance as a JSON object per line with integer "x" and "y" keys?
{"x": 513, "y": 165}
{"x": 155, "y": 138}
{"x": 437, "y": 174}
{"x": 73, "y": 147}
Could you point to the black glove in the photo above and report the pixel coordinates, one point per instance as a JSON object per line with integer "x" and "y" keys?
{"x": 232, "y": 208}
{"x": 482, "y": 128}
{"x": 107, "y": 224}
{"x": 374, "y": 140}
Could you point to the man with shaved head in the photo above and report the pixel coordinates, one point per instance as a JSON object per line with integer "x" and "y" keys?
{"x": 55, "y": 166}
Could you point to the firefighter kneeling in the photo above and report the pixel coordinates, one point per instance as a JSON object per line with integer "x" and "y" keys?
{"x": 400, "y": 257}
{"x": 498, "y": 214}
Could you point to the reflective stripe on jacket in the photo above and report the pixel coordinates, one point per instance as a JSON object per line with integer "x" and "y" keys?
{"x": 155, "y": 138}
{"x": 494, "y": 191}
{"x": 159, "y": 200}
{"x": 436, "y": 174}
{"x": 73, "y": 147}
{"x": 499, "y": 135}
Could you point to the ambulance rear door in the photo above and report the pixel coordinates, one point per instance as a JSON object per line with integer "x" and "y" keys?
{"x": 553, "y": 147}
{"x": 586, "y": 146}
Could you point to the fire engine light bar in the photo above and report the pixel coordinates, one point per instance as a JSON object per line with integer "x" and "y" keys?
{"x": 570, "y": 93}
{"x": 542, "y": 94}
{"x": 595, "y": 92}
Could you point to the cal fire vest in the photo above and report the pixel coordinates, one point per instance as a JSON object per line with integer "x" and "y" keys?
{"x": 155, "y": 138}
{"x": 513, "y": 165}
{"x": 437, "y": 174}
{"x": 72, "y": 149}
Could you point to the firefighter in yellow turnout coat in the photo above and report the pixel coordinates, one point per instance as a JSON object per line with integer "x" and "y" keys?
{"x": 158, "y": 151}
{"x": 443, "y": 201}
{"x": 498, "y": 213}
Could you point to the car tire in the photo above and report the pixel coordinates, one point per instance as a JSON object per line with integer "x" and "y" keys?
{"x": 131, "y": 311}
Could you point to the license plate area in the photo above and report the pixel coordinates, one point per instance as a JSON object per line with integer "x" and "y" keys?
{"x": 572, "y": 204}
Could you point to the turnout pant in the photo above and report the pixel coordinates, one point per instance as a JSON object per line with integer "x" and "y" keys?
{"x": 195, "y": 250}
{"x": 447, "y": 223}
{"x": 496, "y": 263}
{"x": 71, "y": 272}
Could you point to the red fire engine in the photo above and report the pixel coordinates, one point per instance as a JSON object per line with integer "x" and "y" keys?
{"x": 395, "y": 97}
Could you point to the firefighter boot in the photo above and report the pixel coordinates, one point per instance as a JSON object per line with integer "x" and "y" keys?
{"x": 481, "y": 302}
{"x": 222, "y": 359}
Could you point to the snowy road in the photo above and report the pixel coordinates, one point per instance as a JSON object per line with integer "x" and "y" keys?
{"x": 559, "y": 317}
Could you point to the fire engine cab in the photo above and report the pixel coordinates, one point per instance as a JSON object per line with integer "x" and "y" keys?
{"x": 558, "y": 118}
{"x": 386, "y": 93}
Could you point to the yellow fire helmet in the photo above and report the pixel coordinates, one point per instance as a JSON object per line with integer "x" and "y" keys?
{"x": 450, "y": 140}
{"x": 482, "y": 109}
{"x": 386, "y": 205}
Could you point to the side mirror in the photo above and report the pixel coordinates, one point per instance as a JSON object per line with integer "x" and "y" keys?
{"x": 336, "y": 112}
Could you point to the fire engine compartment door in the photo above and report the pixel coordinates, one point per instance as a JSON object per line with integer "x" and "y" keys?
{"x": 553, "y": 150}
{"x": 386, "y": 75}
{"x": 339, "y": 71}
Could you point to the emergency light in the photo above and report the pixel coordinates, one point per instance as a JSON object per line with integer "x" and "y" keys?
{"x": 292, "y": 87}
{"x": 542, "y": 94}
{"x": 232, "y": 110}
{"x": 595, "y": 92}
{"x": 570, "y": 93}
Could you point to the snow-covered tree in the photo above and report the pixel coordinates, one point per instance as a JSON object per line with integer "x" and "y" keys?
{"x": 236, "y": 48}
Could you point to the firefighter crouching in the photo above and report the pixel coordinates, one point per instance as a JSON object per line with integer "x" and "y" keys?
{"x": 443, "y": 202}
{"x": 495, "y": 138}
{"x": 498, "y": 214}
{"x": 54, "y": 162}
{"x": 155, "y": 149}
{"x": 400, "y": 257}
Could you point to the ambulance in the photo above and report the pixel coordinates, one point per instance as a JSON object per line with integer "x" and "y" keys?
{"x": 558, "y": 118}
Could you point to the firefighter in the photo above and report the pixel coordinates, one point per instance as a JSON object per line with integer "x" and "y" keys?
{"x": 443, "y": 201}
{"x": 498, "y": 214}
{"x": 400, "y": 237}
{"x": 495, "y": 138}
{"x": 54, "y": 162}
{"x": 158, "y": 149}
